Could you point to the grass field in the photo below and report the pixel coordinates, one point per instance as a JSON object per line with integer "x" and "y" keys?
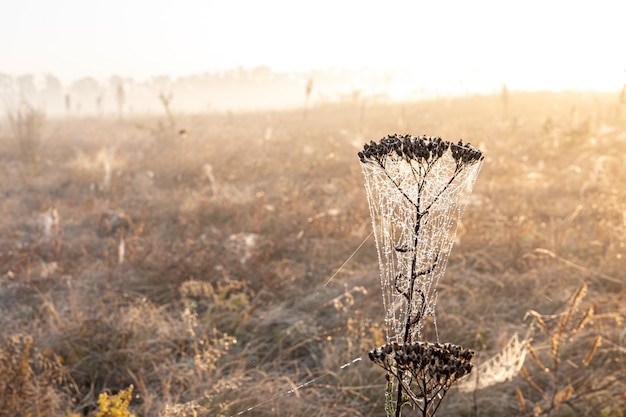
{"x": 202, "y": 261}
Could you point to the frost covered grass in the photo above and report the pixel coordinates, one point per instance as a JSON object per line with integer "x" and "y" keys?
{"x": 225, "y": 300}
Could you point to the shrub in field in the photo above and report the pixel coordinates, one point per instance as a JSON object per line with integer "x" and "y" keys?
{"x": 115, "y": 405}
{"x": 554, "y": 386}
{"x": 26, "y": 123}
{"x": 32, "y": 382}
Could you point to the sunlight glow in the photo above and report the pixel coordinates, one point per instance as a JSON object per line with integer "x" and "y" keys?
{"x": 448, "y": 45}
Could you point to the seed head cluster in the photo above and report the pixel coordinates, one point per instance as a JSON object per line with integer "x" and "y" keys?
{"x": 419, "y": 148}
{"x": 435, "y": 366}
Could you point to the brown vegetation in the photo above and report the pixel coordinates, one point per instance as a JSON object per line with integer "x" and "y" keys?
{"x": 215, "y": 295}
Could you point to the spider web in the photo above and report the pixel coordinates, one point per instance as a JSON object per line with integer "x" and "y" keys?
{"x": 501, "y": 367}
{"x": 417, "y": 188}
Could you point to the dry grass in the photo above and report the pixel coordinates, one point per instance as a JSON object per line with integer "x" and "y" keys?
{"x": 223, "y": 298}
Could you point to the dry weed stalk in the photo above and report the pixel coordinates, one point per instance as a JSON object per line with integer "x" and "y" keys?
{"x": 308, "y": 89}
{"x": 416, "y": 188}
{"x": 48, "y": 223}
{"x": 32, "y": 382}
{"x": 166, "y": 101}
{"x": 554, "y": 388}
{"x": 120, "y": 98}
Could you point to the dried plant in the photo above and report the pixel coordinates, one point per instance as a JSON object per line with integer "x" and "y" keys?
{"x": 32, "y": 382}
{"x": 166, "y": 101}
{"x": 562, "y": 331}
{"x": 26, "y": 123}
{"x": 190, "y": 409}
{"x": 120, "y": 98}
{"x": 432, "y": 368}
{"x": 48, "y": 223}
{"x": 115, "y": 405}
{"x": 308, "y": 89}
{"x": 416, "y": 188}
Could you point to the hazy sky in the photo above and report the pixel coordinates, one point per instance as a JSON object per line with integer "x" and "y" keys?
{"x": 529, "y": 44}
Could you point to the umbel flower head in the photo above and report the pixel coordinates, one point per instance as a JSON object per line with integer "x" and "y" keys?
{"x": 427, "y": 370}
{"x": 437, "y": 365}
{"x": 428, "y": 148}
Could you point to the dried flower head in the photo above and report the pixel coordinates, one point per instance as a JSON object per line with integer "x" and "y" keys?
{"x": 426, "y": 370}
{"x": 419, "y": 149}
{"x": 438, "y": 365}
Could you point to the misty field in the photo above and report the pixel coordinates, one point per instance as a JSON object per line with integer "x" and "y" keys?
{"x": 222, "y": 264}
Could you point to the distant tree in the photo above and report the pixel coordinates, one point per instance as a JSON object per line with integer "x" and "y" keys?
{"x": 116, "y": 83}
{"x": 26, "y": 87}
{"x": 86, "y": 89}
{"x": 161, "y": 83}
{"x": 308, "y": 89}
{"x": 166, "y": 100}
{"x": 68, "y": 104}
{"x": 262, "y": 73}
{"x": 99, "y": 103}
{"x": 53, "y": 92}
{"x": 8, "y": 88}
{"x": 53, "y": 84}
{"x": 120, "y": 99}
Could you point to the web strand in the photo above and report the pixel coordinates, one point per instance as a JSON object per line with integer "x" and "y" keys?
{"x": 313, "y": 380}
{"x": 349, "y": 258}
{"x": 299, "y": 387}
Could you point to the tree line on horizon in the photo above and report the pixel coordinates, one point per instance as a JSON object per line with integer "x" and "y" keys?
{"x": 236, "y": 89}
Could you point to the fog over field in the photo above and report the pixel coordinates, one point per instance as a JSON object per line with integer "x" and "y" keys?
{"x": 258, "y": 88}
